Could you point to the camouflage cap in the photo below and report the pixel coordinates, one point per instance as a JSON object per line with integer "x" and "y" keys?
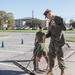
{"x": 47, "y": 11}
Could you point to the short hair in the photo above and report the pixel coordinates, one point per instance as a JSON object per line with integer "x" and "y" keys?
{"x": 40, "y": 27}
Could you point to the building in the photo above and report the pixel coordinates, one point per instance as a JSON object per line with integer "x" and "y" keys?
{"x": 22, "y": 22}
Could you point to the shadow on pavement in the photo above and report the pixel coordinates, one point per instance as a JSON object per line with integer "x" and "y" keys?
{"x": 11, "y": 72}
{"x": 16, "y": 60}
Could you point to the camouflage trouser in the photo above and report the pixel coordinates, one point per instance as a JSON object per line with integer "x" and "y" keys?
{"x": 55, "y": 50}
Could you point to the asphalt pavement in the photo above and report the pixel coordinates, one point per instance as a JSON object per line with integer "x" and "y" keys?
{"x": 19, "y": 47}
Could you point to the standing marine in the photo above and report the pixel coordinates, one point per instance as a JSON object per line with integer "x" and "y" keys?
{"x": 55, "y": 31}
{"x": 39, "y": 49}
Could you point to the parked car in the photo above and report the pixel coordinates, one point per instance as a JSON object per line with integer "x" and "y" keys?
{"x": 15, "y": 28}
{"x": 26, "y": 28}
{"x": 46, "y": 28}
{"x": 71, "y": 28}
{"x": 22, "y": 28}
{"x": 35, "y": 28}
{"x": 30, "y": 28}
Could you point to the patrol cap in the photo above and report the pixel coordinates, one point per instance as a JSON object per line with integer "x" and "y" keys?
{"x": 46, "y": 12}
{"x": 40, "y": 27}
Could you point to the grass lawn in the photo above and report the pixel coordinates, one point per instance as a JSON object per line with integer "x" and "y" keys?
{"x": 3, "y": 35}
{"x": 34, "y": 31}
{"x": 26, "y": 31}
{"x": 71, "y": 39}
{"x": 70, "y": 31}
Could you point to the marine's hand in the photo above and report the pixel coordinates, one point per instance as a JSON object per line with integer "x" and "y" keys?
{"x": 52, "y": 23}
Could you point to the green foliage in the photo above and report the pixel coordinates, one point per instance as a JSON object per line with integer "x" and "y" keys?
{"x": 36, "y": 22}
{"x": 2, "y": 17}
{"x": 26, "y": 31}
{"x": 70, "y": 31}
{"x": 6, "y": 18}
{"x": 29, "y": 23}
{"x": 33, "y": 23}
{"x": 73, "y": 24}
{"x": 71, "y": 21}
{"x": 3, "y": 35}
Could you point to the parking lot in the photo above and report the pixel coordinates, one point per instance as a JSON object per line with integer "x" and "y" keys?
{"x": 14, "y": 49}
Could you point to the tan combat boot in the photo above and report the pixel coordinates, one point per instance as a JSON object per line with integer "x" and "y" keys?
{"x": 49, "y": 73}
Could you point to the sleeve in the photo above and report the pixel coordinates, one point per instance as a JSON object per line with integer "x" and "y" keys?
{"x": 43, "y": 33}
{"x": 60, "y": 24}
{"x": 36, "y": 36}
{"x": 36, "y": 33}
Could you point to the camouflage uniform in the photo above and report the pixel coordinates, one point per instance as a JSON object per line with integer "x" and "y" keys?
{"x": 39, "y": 47}
{"x": 56, "y": 43}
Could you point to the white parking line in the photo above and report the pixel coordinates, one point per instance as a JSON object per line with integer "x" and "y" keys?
{"x": 10, "y": 65}
{"x": 12, "y": 51}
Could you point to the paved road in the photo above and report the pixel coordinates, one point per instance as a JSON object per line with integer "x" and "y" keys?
{"x": 14, "y": 50}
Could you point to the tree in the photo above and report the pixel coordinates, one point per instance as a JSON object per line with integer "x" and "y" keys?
{"x": 6, "y": 18}
{"x": 10, "y": 19}
{"x": 33, "y": 23}
{"x": 2, "y": 18}
{"x": 71, "y": 21}
{"x": 73, "y": 24}
{"x": 29, "y": 23}
{"x": 36, "y": 22}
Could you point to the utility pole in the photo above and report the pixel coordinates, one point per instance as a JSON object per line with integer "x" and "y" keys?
{"x": 32, "y": 16}
{"x": 32, "y": 13}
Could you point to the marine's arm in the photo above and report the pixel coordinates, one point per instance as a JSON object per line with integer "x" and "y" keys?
{"x": 48, "y": 34}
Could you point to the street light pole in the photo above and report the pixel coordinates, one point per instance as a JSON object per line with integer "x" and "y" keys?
{"x": 32, "y": 13}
